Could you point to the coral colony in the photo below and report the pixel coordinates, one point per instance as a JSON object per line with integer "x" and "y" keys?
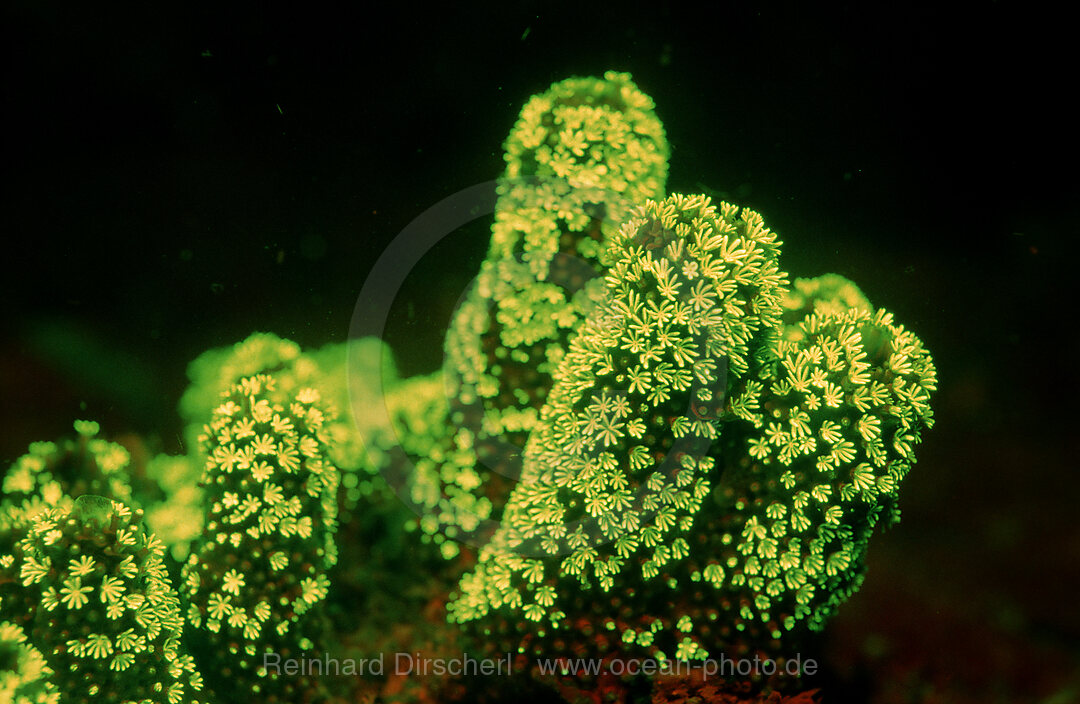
{"x": 704, "y": 448}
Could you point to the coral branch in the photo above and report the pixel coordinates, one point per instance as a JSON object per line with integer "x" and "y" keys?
{"x": 703, "y": 478}
{"x": 90, "y": 589}
{"x": 255, "y": 582}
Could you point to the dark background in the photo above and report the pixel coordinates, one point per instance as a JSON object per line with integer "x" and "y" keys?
{"x": 183, "y": 174}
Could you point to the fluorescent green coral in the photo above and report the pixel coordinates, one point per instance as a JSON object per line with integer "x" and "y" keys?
{"x": 580, "y": 155}
{"x": 829, "y": 293}
{"x": 705, "y": 474}
{"x": 88, "y": 586}
{"x": 353, "y": 438}
{"x": 216, "y": 370}
{"x": 25, "y": 677}
{"x": 619, "y": 466}
{"x": 255, "y": 583}
{"x": 594, "y": 133}
{"x": 707, "y": 451}
{"x": 349, "y": 374}
{"x": 825, "y": 435}
{"x": 51, "y": 474}
{"x": 177, "y": 517}
{"x": 442, "y": 475}
{"x": 578, "y": 158}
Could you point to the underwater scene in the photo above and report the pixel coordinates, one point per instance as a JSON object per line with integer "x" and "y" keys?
{"x": 538, "y": 353}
